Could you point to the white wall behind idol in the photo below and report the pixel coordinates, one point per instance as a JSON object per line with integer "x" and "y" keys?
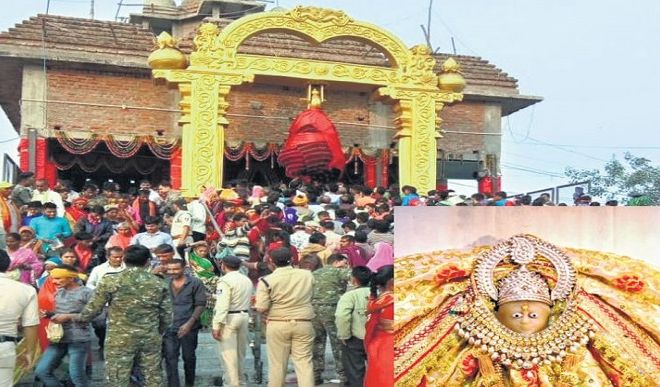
{"x": 630, "y": 231}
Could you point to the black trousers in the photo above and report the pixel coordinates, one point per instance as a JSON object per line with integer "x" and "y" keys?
{"x": 354, "y": 358}
{"x": 186, "y": 346}
{"x": 198, "y": 236}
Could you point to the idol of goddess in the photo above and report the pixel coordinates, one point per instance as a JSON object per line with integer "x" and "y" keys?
{"x": 526, "y": 313}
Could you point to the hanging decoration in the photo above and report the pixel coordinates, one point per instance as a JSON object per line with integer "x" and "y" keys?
{"x": 122, "y": 146}
{"x": 369, "y": 158}
{"x": 163, "y": 147}
{"x": 77, "y": 145}
{"x": 93, "y": 162}
{"x": 235, "y": 151}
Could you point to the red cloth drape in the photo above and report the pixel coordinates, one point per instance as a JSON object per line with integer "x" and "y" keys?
{"x": 45, "y": 168}
{"x": 370, "y": 175}
{"x": 384, "y": 168}
{"x": 485, "y": 185}
{"x": 24, "y": 156}
{"x": 175, "y": 169}
{"x": 312, "y": 146}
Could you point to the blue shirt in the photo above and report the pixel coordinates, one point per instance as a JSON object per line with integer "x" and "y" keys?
{"x": 152, "y": 241}
{"x": 48, "y": 228}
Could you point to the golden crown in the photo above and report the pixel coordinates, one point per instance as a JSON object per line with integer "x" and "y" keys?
{"x": 523, "y": 250}
{"x": 523, "y": 285}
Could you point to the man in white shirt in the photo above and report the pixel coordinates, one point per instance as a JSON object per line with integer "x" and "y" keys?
{"x": 18, "y": 305}
{"x": 153, "y": 195}
{"x": 114, "y": 264}
{"x": 181, "y": 226}
{"x": 332, "y": 239}
{"x": 198, "y": 224}
{"x": 230, "y": 320}
{"x": 44, "y": 194}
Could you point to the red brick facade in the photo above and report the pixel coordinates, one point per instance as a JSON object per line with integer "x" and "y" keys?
{"x": 257, "y": 112}
{"x": 90, "y": 87}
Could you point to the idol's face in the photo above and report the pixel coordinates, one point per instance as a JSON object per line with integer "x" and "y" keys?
{"x": 526, "y": 317}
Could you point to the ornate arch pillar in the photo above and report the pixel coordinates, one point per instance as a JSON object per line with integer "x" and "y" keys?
{"x": 203, "y": 119}
{"x": 417, "y": 121}
{"x": 215, "y": 65}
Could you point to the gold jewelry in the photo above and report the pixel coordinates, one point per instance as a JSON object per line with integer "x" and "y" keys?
{"x": 523, "y": 285}
{"x": 481, "y": 328}
{"x": 522, "y": 250}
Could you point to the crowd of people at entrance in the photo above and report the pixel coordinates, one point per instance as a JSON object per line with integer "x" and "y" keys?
{"x": 143, "y": 270}
{"x": 500, "y": 199}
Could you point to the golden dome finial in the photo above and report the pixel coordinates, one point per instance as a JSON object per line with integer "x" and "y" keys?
{"x": 450, "y": 79}
{"x": 167, "y": 55}
{"x": 315, "y": 99}
{"x": 451, "y": 66}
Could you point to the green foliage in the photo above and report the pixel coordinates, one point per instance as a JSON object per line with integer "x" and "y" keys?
{"x": 619, "y": 180}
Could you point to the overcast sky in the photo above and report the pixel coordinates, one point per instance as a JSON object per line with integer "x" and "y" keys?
{"x": 596, "y": 63}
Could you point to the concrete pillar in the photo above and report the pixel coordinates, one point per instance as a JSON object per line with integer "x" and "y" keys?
{"x": 493, "y": 144}
{"x": 380, "y": 114}
{"x": 33, "y": 113}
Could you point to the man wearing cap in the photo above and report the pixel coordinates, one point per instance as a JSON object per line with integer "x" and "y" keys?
{"x": 286, "y": 297}
{"x": 22, "y": 192}
{"x": 21, "y": 307}
{"x": 230, "y": 318}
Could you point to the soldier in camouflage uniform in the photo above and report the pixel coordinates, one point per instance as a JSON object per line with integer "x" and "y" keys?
{"x": 331, "y": 282}
{"x": 140, "y": 310}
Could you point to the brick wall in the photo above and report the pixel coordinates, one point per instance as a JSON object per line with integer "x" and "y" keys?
{"x": 274, "y": 106}
{"x": 113, "y": 89}
{"x": 473, "y": 117}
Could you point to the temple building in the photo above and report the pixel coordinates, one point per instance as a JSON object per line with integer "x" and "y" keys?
{"x": 83, "y": 98}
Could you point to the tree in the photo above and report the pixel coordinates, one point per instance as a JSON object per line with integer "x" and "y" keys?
{"x": 620, "y": 180}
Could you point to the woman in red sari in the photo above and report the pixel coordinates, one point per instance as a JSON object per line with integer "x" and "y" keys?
{"x": 379, "y": 337}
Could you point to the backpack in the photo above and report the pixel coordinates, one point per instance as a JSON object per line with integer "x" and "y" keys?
{"x": 290, "y": 216}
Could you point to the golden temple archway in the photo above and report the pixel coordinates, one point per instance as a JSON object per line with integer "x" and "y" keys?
{"x": 417, "y": 93}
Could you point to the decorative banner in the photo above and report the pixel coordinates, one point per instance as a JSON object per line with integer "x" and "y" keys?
{"x": 122, "y": 146}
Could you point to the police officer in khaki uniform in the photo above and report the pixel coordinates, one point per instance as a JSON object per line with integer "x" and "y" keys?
{"x": 230, "y": 319}
{"x": 286, "y": 297}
